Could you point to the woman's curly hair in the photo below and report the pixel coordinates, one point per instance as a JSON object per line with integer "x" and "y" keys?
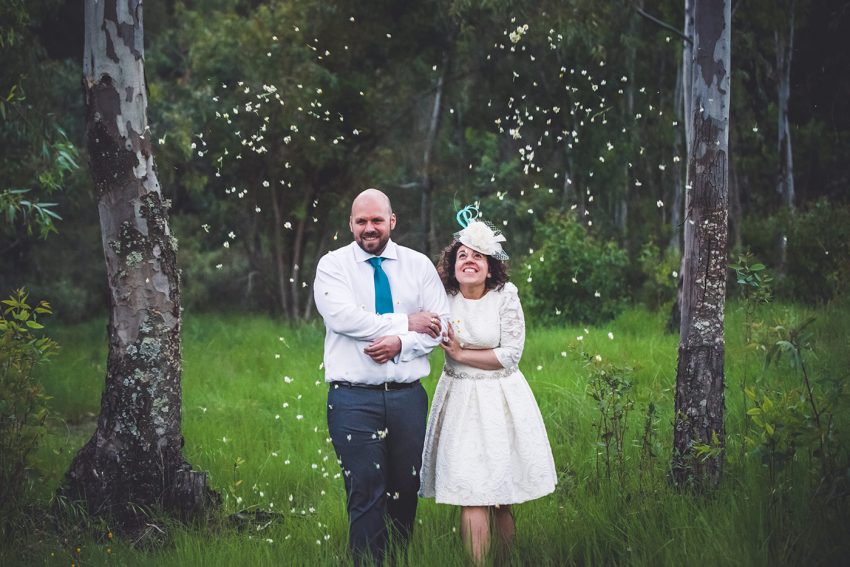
{"x": 446, "y": 268}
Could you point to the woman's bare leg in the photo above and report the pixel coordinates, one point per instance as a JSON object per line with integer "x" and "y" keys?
{"x": 475, "y": 531}
{"x": 503, "y": 519}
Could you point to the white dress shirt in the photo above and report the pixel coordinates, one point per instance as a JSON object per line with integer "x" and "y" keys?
{"x": 345, "y": 297}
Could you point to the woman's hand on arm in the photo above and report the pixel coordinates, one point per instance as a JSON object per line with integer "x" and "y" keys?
{"x": 485, "y": 359}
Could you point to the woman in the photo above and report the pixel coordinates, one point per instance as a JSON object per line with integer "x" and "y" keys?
{"x": 486, "y": 446}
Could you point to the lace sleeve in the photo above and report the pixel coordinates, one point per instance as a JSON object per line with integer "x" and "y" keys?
{"x": 512, "y": 328}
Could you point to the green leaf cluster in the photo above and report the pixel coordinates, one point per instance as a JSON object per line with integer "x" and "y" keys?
{"x": 574, "y": 275}
{"x": 22, "y": 400}
{"x": 610, "y": 386}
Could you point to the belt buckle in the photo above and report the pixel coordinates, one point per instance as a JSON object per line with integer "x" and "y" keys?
{"x": 386, "y": 386}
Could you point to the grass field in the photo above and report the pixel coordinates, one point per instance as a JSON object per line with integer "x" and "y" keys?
{"x": 254, "y": 417}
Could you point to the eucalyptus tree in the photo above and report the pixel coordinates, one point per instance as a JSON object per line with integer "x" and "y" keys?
{"x": 699, "y": 432}
{"x": 135, "y": 456}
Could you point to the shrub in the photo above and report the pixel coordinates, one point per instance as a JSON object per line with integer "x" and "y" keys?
{"x": 818, "y": 258}
{"x": 818, "y": 248}
{"x": 573, "y": 275}
{"x": 22, "y": 401}
{"x": 660, "y": 272}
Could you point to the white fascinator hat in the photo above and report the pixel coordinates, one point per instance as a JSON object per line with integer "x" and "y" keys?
{"x": 478, "y": 234}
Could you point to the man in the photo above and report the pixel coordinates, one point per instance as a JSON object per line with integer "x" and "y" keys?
{"x": 384, "y": 309}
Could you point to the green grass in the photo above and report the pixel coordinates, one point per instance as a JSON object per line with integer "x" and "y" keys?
{"x": 253, "y": 395}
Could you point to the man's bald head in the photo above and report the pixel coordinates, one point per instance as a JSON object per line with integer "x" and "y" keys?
{"x": 372, "y": 220}
{"x": 372, "y": 197}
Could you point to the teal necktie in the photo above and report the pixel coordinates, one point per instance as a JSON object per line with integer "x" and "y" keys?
{"x": 383, "y": 295}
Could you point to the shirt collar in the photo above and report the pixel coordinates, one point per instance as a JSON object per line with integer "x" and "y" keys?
{"x": 390, "y": 252}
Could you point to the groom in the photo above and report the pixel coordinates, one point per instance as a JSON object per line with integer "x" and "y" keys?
{"x": 384, "y": 309}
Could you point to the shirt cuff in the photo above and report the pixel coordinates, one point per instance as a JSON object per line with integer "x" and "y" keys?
{"x": 405, "y": 342}
{"x": 398, "y": 322}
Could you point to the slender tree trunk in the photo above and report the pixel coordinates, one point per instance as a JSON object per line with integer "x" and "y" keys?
{"x": 785, "y": 179}
{"x": 687, "y": 74}
{"x": 298, "y": 249}
{"x": 699, "y": 435}
{"x": 279, "y": 261}
{"x": 426, "y": 208}
{"x": 687, "y": 102}
{"x": 320, "y": 251}
{"x": 676, "y": 206}
{"x": 570, "y": 195}
{"x": 621, "y": 203}
{"x": 134, "y": 457}
{"x": 735, "y": 210}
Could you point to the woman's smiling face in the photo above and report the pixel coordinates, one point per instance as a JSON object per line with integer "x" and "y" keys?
{"x": 470, "y": 267}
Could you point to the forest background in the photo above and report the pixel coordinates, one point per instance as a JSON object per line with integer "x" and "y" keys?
{"x": 563, "y": 120}
{"x": 269, "y": 116}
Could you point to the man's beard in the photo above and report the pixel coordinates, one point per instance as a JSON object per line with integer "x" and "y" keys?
{"x": 374, "y": 247}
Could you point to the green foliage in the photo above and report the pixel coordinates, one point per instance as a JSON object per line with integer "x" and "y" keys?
{"x": 38, "y": 156}
{"x": 660, "y": 271}
{"x": 31, "y": 214}
{"x": 818, "y": 265}
{"x": 807, "y": 418}
{"x": 778, "y": 419}
{"x": 210, "y": 277}
{"x": 755, "y": 282}
{"x": 22, "y": 400}
{"x": 818, "y": 248}
{"x": 610, "y": 386}
{"x": 573, "y": 276}
{"x": 23, "y": 207}
{"x": 650, "y": 445}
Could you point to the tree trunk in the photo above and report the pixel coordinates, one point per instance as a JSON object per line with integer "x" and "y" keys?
{"x": 736, "y": 214}
{"x": 320, "y": 251}
{"x": 675, "y": 243}
{"x": 280, "y": 264}
{"x": 298, "y": 248}
{"x": 134, "y": 457}
{"x": 687, "y": 73}
{"x": 570, "y": 195}
{"x": 426, "y": 219}
{"x": 785, "y": 179}
{"x": 699, "y": 435}
{"x": 687, "y": 103}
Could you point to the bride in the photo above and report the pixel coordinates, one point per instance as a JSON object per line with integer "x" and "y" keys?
{"x": 486, "y": 446}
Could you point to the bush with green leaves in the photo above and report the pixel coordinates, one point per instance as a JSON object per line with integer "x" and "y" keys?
{"x": 818, "y": 247}
{"x": 806, "y": 420}
{"x": 660, "y": 271}
{"x": 610, "y": 387}
{"x": 22, "y": 401}
{"x": 574, "y": 276}
{"x": 817, "y": 265}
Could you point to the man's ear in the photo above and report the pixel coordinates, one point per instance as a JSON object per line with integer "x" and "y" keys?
{"x": 351, "y": 224}
{"x": 392, "y": 221}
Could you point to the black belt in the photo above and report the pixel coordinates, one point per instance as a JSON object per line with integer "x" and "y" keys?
{"x": 386, "y": 386}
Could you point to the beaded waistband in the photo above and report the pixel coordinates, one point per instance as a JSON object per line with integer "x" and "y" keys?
{"x": 488, "y": 375}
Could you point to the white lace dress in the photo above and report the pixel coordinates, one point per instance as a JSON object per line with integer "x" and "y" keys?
{"x": 486, "y": 443}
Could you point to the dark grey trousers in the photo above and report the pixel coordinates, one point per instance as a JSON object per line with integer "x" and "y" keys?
{"x": 378, "y": 437}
